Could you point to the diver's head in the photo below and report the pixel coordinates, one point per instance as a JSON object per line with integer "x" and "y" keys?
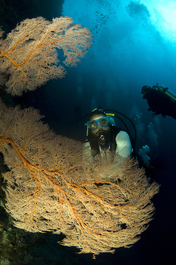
{"x": 145, "y": 90}
{"x": 99, "y": 126}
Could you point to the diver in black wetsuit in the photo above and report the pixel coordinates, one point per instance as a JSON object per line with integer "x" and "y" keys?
{"x": 160, "y": 100}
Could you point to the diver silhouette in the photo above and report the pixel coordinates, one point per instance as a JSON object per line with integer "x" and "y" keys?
{"x": 160, "y": 100}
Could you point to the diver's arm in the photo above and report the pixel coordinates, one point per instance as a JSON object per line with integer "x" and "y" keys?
{"x": 124, "y": 147}
{"x": 87, "y": 153}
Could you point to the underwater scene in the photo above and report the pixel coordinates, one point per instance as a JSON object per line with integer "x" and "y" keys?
{"x": 87, "y": 132}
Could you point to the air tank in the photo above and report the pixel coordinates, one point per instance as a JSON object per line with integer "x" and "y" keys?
{"x": 166, "y": 91}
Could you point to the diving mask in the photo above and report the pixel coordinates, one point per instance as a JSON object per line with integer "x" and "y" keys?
{"x": 103, "y": 121}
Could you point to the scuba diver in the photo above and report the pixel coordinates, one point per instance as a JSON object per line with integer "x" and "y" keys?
{"x": 103, "y": 135}
{"x": 160, "y": 100}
